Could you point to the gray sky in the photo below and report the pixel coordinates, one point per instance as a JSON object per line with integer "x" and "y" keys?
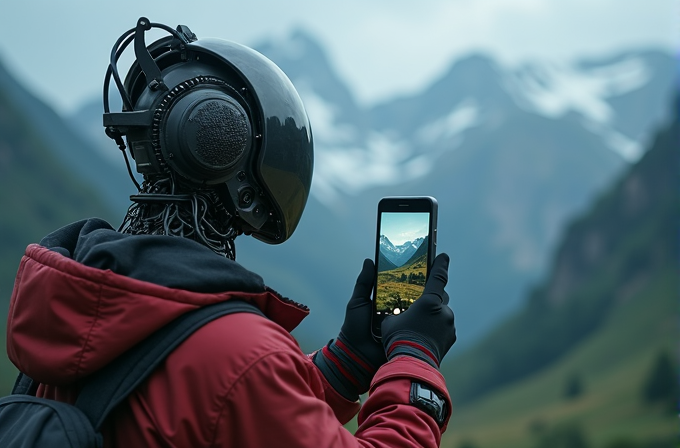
{"x": 60, "y": 49}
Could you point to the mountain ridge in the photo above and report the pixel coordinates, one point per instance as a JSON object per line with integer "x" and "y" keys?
{"x": 68, "y": 145}
{"x": 420, "y": 252}
{"x": 607, "y": 254}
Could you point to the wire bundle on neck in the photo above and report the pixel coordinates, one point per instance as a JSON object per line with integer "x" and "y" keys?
{"x": 199, "y": 215}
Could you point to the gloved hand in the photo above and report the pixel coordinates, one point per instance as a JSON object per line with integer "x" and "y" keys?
{"x": 426, "y": 330}
{"x": 349, "y": 362}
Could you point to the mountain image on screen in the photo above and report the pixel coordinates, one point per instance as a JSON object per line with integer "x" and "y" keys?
{"x": 399, "y": 255}
{"x": 402, "y": 271}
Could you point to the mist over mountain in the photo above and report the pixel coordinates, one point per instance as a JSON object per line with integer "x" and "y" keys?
{"x": 510, "y": 153}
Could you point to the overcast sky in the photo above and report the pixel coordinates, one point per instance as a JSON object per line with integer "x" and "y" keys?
{"x": 60, "y": 49}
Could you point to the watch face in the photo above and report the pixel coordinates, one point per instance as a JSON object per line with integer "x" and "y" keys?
{"x": 429, "y": 401}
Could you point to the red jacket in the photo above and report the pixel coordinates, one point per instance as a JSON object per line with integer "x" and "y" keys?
{"x": 239, "y": 381}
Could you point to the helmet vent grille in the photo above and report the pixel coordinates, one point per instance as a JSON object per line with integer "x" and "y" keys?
{"x": 222, "y": 133}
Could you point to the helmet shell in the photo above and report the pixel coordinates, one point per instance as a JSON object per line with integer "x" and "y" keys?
{"x": 268, "y": 186}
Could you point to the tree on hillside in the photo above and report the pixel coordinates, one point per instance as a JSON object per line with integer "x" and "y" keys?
{"x": 661, "y": 384}
{"x": 573, "y": 387}
{"x": 468, "y": 444}
{"x": 568, "y": 435}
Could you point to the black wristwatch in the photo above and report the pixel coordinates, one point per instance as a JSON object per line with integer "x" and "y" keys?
{"x": 423, "y": 397}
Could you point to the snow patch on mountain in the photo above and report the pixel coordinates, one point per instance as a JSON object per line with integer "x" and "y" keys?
{"x": 351, "y": 169}
{"x": 351, "y": 156}
{"x": 629, "y": 149}
{"x": 464, "y": 115}
{"x": 345, "y": 164}
{"x": 553, "y": 89}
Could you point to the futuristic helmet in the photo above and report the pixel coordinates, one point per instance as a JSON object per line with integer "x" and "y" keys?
{"x": 215, "y": 114}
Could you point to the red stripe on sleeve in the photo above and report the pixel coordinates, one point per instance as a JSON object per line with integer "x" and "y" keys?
{"x": 330, "y": 356}
{"x": 416, "y": 346}
{"x": 354, "y": 357}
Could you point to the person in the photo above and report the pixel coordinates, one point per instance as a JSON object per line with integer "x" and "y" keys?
{"x": 224, "y": 146}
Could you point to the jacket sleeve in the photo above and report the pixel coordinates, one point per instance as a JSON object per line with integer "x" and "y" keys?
{"x": 388, "y": 419}
{"x": 283, "y": 400}
{"x": 343, "y": 409}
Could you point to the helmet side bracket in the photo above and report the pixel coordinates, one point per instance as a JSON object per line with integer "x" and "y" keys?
{"x": 154, "y": 78}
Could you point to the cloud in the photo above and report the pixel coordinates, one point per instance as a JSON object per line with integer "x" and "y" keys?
{"x": 380, "y": 48}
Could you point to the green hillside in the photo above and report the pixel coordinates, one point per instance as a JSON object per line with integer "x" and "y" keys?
{"x": 612, "y": 366}
{"x": 420, "y": 252}
{"x": 38, "y": 194}
{"x": 401, "y": 286}
{"x": 384, "y": 264}
{"x": 576, "y": 367}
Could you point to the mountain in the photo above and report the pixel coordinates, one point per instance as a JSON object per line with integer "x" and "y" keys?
{"x": 110, "y": 181}
{"x": 399, "y": 255}
{"x": 384, "y": 264}
{"x": 602, "y": 325}
{"x": 387, "y": 247}
{"x": 511, "y": 154}
{"x": 40, "y": 190}
{"x": 510, "y": 157}
{"x": 408, "y": 249}
{"x": 86, "y": 121}
{"x": 419, "y": 253}
{"x": 623, "y": 249}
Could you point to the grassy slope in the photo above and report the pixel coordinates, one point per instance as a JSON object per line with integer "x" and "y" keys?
{"x": 390, "y": 284}
{"x": 613, "y": 364}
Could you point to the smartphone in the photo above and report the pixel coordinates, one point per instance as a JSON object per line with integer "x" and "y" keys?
{"x": 406, "y": 240}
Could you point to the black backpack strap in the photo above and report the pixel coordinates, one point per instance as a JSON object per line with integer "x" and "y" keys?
{"x": 111, "y": 385}
{"x": 24, "y": 385}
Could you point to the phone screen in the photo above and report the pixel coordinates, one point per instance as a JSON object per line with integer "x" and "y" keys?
{"x": 402, "y": 260}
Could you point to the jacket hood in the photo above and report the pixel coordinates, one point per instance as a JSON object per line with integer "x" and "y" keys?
{"x": 87, "y": 293}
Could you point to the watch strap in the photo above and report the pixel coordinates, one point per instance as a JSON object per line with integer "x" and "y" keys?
{"x": 426, "y": 399}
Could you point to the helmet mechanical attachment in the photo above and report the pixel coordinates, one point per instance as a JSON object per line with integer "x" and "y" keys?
{"x": 215, "y": 128}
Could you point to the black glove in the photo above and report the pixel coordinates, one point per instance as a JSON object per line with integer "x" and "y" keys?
{"x": 426, "y": 330}
{"x": 349, "y": 362}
